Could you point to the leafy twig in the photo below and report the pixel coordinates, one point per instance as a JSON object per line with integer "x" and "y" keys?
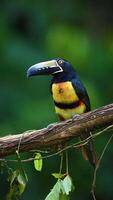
{"x": 75, "y": 145}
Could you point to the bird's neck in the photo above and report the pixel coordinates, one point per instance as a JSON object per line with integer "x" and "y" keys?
{"x": 63, "y": 77}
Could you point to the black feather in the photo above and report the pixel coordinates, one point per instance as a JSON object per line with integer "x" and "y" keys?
{"x": 81, "y": 92}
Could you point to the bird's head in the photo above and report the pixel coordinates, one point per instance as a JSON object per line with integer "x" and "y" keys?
{"x": 53, "y": 67}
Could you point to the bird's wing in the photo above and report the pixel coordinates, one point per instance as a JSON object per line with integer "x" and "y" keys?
{"x": 88, "y": 150}
{"x": 81, "y": 92}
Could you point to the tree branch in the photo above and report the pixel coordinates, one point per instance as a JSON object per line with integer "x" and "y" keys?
{"x": 58, "y": 133}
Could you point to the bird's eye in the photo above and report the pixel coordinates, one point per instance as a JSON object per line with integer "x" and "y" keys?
{"x": 60, "y": 62}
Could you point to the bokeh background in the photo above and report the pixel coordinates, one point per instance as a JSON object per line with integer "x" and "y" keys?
{"x": 34, "y": 31}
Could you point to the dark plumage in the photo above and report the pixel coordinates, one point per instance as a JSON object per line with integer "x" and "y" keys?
{"x": 69, "y": 95}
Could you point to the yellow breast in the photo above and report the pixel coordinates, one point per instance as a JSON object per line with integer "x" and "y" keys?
{"x": 64, "y": 92}
{"x": 69, "y": 113}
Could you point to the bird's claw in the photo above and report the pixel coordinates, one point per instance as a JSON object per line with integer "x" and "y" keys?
{"x": 50, "y": 126}
{"x": 75, "y": 116}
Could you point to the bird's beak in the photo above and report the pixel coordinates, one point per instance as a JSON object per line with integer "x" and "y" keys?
{"x": 44, "y": 68}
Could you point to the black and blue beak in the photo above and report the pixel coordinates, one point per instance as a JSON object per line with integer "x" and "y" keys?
{"x": 44, "y": 68}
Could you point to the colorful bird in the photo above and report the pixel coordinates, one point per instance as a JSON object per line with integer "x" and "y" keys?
{"x": 69, "y": 95}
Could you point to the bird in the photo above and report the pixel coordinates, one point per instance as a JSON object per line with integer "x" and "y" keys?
{"x": 69, "y": 95}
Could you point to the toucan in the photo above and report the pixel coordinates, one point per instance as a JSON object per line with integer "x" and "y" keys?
{"x": 69, "y": 95}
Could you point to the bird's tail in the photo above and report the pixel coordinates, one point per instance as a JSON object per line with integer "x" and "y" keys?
{"x": 88, "y": 151}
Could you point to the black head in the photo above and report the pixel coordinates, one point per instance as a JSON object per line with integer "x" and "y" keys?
{"x": 65, "y": 65}
{"x": 56, "y": 67}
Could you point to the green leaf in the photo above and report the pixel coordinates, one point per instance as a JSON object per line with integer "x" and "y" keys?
{"x": 17, "y": 184}
{"x": 61, "y": 189}
{"x": 18, "y": 180}
{"x": 63, "y": 197}
{"x": 20, "y": 168}
{"x": 21, "y": 183}
{"x": 38, "y": 162}
{"x": 55, "y": 192}
{"x": 58, "y": 175}
{"x": 67, "y": 184}
{"x": 13, "y": 177}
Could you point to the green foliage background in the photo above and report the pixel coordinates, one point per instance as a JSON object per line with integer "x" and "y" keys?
{"x": 34, "y": 31}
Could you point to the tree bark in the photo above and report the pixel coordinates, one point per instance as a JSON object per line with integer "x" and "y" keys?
{"x": 58, "y": 133}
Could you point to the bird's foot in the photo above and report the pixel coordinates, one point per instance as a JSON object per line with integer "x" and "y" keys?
{"x": 75, "y": 116}
{"x": 50, "y": 126}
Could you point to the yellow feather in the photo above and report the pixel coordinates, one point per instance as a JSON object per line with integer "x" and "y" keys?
{"x": 64, "y": 92}
{"x": 68, "y": 113}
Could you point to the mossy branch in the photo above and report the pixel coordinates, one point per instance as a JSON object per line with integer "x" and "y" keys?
{"x": 58, "y": 133}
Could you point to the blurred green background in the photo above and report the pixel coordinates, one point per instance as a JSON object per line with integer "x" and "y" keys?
{"x": 34, "y": 31}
